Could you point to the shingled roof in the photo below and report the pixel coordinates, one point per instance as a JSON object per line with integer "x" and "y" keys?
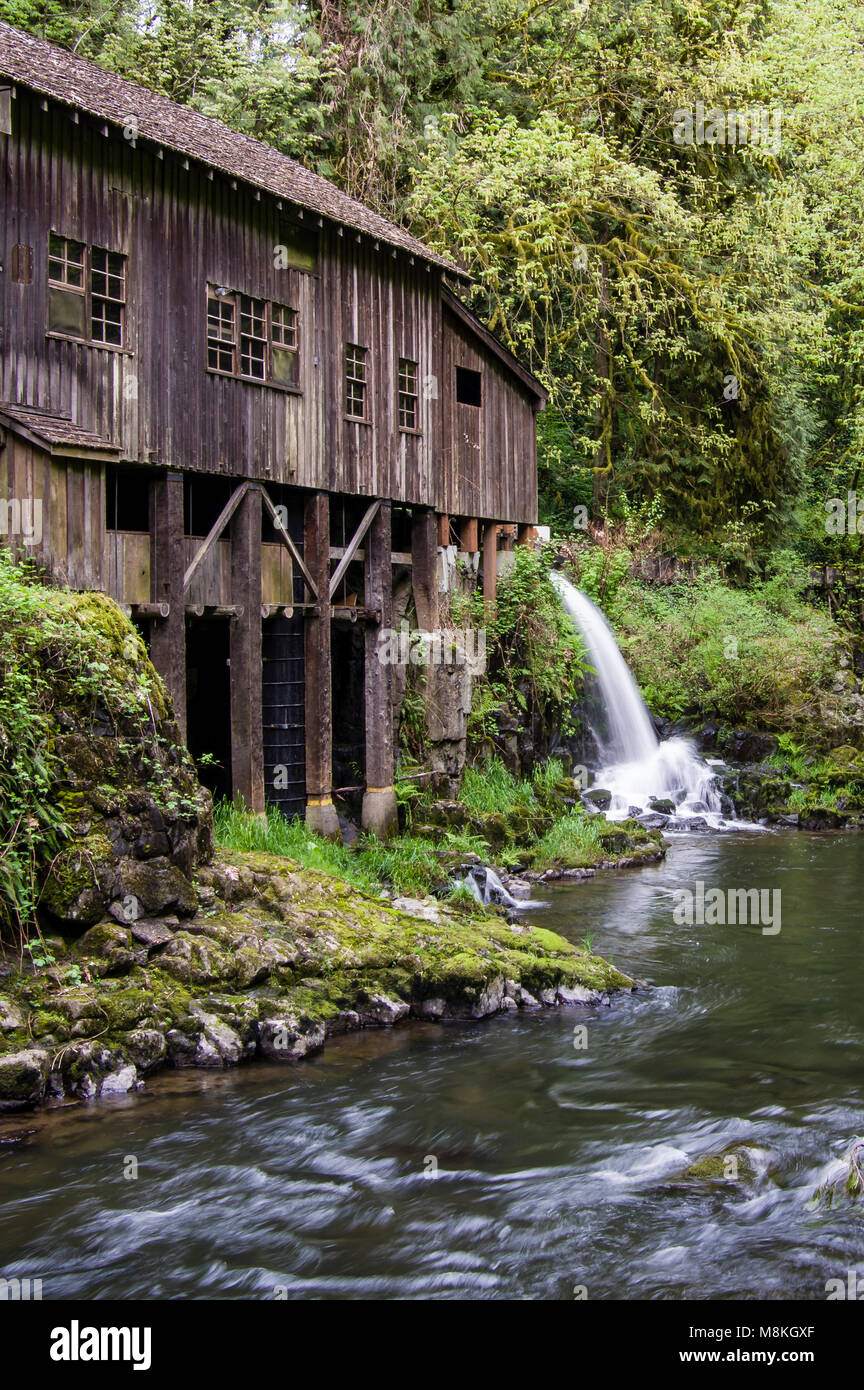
{"x": 60, "y": 434}
{"x": 56, "y": 73}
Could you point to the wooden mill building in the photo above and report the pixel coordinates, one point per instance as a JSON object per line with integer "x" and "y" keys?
{"x": 240, "y": 402}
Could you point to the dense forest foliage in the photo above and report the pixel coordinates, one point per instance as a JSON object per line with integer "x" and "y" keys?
{"x": 660, "y": 202}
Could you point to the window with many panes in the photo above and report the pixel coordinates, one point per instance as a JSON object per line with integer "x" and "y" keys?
{"x": 221, "y": 333}
{"x": 356, "y": 384}
{"x": 408, "y": 413}
{"x": 86, "y": 291}
{"x": 284, "y": 344}
{"x": 252, "y": 338}
{"x": 107, "y": 296}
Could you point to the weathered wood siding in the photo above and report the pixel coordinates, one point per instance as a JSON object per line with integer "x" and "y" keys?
{"x": 74, "y": 544}
{"x": 70, "y": 495}
{"x": 392, "y": 308}
{"x": 182, "y": 230}
{"x": 490, "y": 451}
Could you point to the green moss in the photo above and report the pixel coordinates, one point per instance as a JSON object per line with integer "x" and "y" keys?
{"x": 732, "y": 1164}
{"x": 125, "y": 1008}
{"x": 86, "y": 732}
{"x": 332, "y": 950}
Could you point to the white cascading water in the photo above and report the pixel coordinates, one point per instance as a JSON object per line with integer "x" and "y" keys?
{"x": 635, "y": 766}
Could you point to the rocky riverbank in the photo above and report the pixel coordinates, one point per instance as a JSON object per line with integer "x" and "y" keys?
{"x": 774, "y": 780}
{"x": 271, "y": 961}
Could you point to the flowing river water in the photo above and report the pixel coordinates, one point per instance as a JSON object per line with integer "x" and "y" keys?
{"x": 557, "y": 1167}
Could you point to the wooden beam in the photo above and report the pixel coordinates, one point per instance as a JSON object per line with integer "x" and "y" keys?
{"x": 444, "y": 529}
{"x": 149, "y": 610}
{"x": 397, "y": 557}
{"x": 215, "y": 532}
{"x": 379, "y": 814}
{"x": 247, "y": 725}
{"x": 354, "y": 546}
{"x": 424, "y": 577}
{"x": 469, "y": 534}
{"x": 168, "y": 640}
{"x": 287, "y": 541}
{"x": 320, "y": 811}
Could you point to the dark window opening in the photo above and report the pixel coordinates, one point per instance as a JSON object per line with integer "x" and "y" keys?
{"x": 400, "y": 529}
{"x": 208, "y": 702}
{"x": 346, "y": 514}
{"x": 355, "y": 382}
{"x": 127, "y": 499}
{"x": 290, "y": 504}
{"x": 66, "y": 262}
{"x": 203, "y": 500}
{"x": 408, "y": 412}
{"x": 253, "y": 338}
{"x": 469, "y": 387}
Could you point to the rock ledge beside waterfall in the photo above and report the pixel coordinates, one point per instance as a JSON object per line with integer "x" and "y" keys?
{"x": 274, "y": 962}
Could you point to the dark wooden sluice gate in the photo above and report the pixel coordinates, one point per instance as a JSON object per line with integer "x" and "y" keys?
{"x": 283, "y": 696}
{"x": 200, "y": 338}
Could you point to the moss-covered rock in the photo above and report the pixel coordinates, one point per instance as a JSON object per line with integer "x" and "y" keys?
{"x": 23, "y": 1078}
{"x": 108, "y": 948}
{"x": 78, "y": 887}
{"x": 736, "y": 1163}
{"x": 240, "y": 979}
{"x": 94, "y": 762}
{"x": 11, "y": 1017}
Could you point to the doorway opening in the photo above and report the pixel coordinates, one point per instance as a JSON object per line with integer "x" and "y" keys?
{"x": 208, "y": 702}
{"x": 347, "y": 656}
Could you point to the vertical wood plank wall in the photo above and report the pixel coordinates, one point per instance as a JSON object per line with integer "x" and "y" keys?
{"x": 155, "y": 399}
{"x": 155, "y": 404}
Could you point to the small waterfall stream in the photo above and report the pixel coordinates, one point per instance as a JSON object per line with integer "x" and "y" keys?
{"x": 634, "y": 766}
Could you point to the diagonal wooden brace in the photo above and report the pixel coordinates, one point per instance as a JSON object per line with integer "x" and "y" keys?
{"x": 215, "y": 532}
{"x": 355, "y": 545}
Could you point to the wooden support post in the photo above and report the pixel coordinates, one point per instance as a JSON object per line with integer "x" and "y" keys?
{"x": 247, "y": 732}
{"x": 443, "y": 529}
{"x": 526, "y": 534}
{"x": 379, "y": 813}
{"x": 424, "y": 569}
{"x": 469, "y": 535}
{"x": 490, "y": 564}
{"x": 320, "y": 811}
{"x": 167, "y": 565}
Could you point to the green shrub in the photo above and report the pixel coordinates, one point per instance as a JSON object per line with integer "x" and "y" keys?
{"x": 701, "y": 647}
{"x": 235, "y": 827}
{"x": 574, "y": 841}
{"x": 491, "y": 788}
{"x": 546, "y": 776}
{"x": 535, "y": 656}
{"x": 408, "y": 864}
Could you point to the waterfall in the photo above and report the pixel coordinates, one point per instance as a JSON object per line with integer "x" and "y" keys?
{"x": 634, "y": 766}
